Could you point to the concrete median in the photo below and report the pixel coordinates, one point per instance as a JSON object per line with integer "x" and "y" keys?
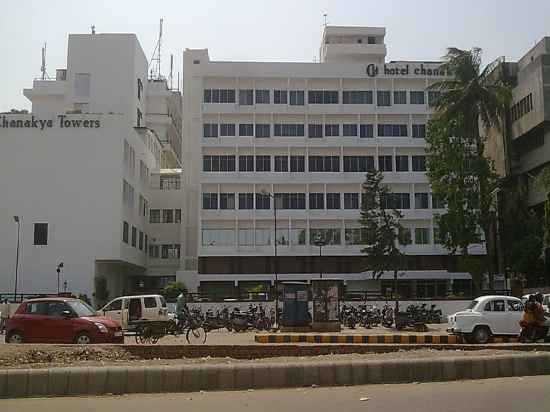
{"x": 18, "y": 383}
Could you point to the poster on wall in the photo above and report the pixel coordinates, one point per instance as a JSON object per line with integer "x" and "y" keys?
{"x": 325, "y": 301}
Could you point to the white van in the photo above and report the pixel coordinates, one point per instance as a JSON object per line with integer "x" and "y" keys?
{"x": 126, "y": 309}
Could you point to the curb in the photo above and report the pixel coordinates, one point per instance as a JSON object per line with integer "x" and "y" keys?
{"x": 19, "y": 383}
{"x": 371, "y": 339}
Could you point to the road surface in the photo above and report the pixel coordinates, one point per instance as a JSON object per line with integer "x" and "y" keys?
{"x": 498, "y": 395}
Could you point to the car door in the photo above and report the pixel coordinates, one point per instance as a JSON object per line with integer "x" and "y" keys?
{"x": 113, "y": 310}
{"x": 515, "y": 313}
{"x": 498, "y": 317}
{"x": 32, "y": 321}
{"x": 60, "y": 328}
{"x": 150, "y": 308}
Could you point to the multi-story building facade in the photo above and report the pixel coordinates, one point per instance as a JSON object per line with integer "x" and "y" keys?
{"x": 303, "y": 136}
{"x": 77, "y": 171}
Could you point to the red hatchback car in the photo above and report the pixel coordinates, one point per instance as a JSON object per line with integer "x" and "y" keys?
{"x": 60, "y": 320}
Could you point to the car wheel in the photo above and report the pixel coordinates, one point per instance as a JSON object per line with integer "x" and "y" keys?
{"x": 83, "y": 339}
{"x": 481, "y": 335}
{"x": 14, "y": 337}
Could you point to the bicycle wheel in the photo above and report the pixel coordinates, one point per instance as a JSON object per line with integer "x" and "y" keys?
{"x": 196, "y": 335}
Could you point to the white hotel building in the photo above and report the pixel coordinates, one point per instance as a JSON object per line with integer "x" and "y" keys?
{"x": 117, "y": 203}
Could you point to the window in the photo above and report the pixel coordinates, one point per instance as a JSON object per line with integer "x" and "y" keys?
{"x": 280, "y": 96}
{"x": 246, "y": 163}
{"x": 290, "y": 200}
{"x": 357, "y": 97}
{"x": 167, "y": 216}
{"x": 227, "y": 129}
{"x": 82, "y": 82}
{"x": 401, "y": 163}
{"x": 324, "y": 163}
{"x": 332, "y": 130}
{"x": 366, "y": 130}
{"x": 140, "y": 241}
{"x": 396, "y": 201}
{"x": 246, "y": 97}
{"x": 263, "y": 237}
{"x": 150, "y": 302}
{"x": 354, "y": 236}
{"x": 316, "y": 201}
{"x": 433, "y": 97}
{"x": 322, "y": 97}
{"x": 417, "y": 97}
{"x": 349, "y": 130}
{"x": 499, "y": 306}
{"x": 419, "y": 163}
{"x": 154, "y": 216}
{"x": 165, "y": 250}
{"x": 514, "y": 306}
{"x": 358, "y": 163}
{"x": 288, "y": 130}
{"x": 262, "y": 96}
{"x": 219, "y": 96}
{"x": 422, "y": 236}
{"x": 246, "y": 129}
{"x": 281, "y": 163}
{"x": 170, "y": 182}
{"x": 40, "y": 234}
{"x": 419, "y": 131}
{"x": 263, "y": 202}
{"x": 385, "y": 163}
{"x": 210, "y": 130}
{"x": 177, "y": 215}
{"x": 421, "y": 201}
{"x": 114, "y": 305}
{"x": 263, "y": 164}
{"x": 328, "y": 236}
{"x": 315, "y": 130}
{"x": 333, "y": 200}
{"x": 400, "y": 97}
{"x": 351, "y": 200}
{"x": 263, "y": 130}
{"x": 227, "y": 200}
{"x": 210, "y": 201}
{"x": 134, "y": 236}
{"x": 223, "y": 163}
{"x": 125, "y": 231}
{"x": 392, "y": 130}
{"x": 246, "y": 237}
{"x": 281, "y": 236}
{"x": 154, "y": 251}
{"x": 371, "y": 40}
{"x": 437, "y": 202}
{"x": 405, "y": 236}
{"x": 128, "y": 194}
{"x": 246, "y": 201}
{"x": 297, "y": 236}
{"x": 383, "y": 98}
{"x": 297, "y": 163}
{"x": 296, "y": 97}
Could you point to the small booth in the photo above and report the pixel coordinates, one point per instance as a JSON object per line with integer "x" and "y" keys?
{"x": 295, "y": 306}
{"x": 326, "y": 305}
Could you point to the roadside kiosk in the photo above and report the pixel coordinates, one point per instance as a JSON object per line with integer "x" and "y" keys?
{"x": 295, "y": 305}
{"x": 326, "y": 305}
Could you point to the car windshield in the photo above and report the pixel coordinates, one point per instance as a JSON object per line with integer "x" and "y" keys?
{"x": 82, "y": 309}
{"x": 472, "y": 304}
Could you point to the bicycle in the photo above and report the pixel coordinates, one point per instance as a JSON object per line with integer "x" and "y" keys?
{"x": 192, "y": 327}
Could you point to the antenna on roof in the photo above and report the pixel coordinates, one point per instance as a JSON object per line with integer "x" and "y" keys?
{"x": 171, "y": 70}
{"x": 325, "y": 15}
{"x": 155, "y": 70}
{"x": 43, "y": 67}
{"x": 93, "y": 29}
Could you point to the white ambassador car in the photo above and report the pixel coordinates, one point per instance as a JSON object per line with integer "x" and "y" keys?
{"x": 487, "y": 316}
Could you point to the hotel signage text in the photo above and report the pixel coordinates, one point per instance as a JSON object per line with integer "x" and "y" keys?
{"x": 374, "y": 70}
{"x": 61, "y": 121}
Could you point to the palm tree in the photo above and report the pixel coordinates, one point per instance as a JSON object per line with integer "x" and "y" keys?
{"x": 477, "y": 99}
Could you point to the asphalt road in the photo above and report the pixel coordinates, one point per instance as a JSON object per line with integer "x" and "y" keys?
{"x": 498, "y": 395}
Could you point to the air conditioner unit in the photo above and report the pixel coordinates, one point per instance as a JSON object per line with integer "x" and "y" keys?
{"x": 61, "y": 74}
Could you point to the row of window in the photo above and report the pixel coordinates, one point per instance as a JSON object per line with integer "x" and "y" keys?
{"x": 167, "y": 251}
{"x": 168, "y": 216}
{"x": 521, "y": 108}
{"x": 249, "y": 97}
{"x": 297, "y": 201}
{"x": 262, "y": 130}
{"x": 299, "y": 237}
{"x": 137, "y": 239}
{"x": 284, "y": 163}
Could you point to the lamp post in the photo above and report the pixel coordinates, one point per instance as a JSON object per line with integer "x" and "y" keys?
{"x": 320, "y": 242}
{"x": 65, "y": 286}
{"x": 272, "y": 196}
{"x": 59, "y": 267}
{"x": 18, "y": 221}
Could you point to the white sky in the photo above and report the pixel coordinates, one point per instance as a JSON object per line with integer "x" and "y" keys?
{"x": 268, "y": 30}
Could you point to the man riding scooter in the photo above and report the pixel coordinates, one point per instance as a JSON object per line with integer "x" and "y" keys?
{"x": 534, "y": 323}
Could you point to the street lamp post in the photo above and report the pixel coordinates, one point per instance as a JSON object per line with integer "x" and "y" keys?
{"x": 272, "y": 196}
{"x": 320, "y": 242}
{"x": 59, "y": 267}
{"x": 18, "y": 221}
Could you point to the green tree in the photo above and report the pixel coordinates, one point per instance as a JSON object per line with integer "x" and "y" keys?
{"x": 472, "y": 99}
{"x": 381, "y": 229}
{"x": 173, "y": 290}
